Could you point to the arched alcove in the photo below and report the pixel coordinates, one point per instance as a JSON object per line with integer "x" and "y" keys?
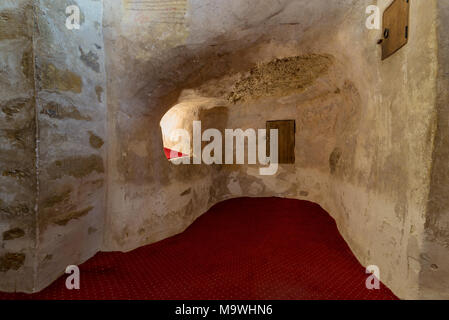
{"x": 179, "y": 117}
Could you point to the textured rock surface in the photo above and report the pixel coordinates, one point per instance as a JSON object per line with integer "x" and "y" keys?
{"x": 52, "y": 181}
{"x": 371, "y": 140}
{"x": 434, "y": 279}
{"x": 70, "y": 65}
{"x": 17, "y": 146}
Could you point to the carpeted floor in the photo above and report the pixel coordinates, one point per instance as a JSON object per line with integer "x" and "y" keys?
{"x": 172, "y": 154}
{"x": 264, "y": 248}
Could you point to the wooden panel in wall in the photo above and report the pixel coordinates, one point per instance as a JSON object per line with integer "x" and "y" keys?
{"x": 286, "y": 135}
{"x": 395, "y": 27}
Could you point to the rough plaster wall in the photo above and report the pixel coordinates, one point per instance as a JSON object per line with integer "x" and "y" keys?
{"x": 365, "y": 128}
{"x": 52, "y": 102}
{"x": 17, "y": 146}
{"x": 72, "y": 129}
{"x": 144, "y": 203}
{"x": 435, "y": 256}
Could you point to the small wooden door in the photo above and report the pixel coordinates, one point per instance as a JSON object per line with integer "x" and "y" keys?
{"x": 286, "y": 138}
{"x": 395, "y": 27}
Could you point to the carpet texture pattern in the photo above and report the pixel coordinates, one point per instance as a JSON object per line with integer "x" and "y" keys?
{"x": 264, "y": 248}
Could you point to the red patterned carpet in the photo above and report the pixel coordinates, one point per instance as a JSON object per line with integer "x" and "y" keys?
{"x": 265, "y": 248}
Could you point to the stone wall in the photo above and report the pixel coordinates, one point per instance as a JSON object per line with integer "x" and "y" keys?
{"x": 53, "y": 140}
{"x": 18, "y": 185}
{"x": 71, "y": 114}
{"x": 434, "y": 279}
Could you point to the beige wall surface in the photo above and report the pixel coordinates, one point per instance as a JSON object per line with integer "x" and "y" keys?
{"x": 17, "y": 147}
